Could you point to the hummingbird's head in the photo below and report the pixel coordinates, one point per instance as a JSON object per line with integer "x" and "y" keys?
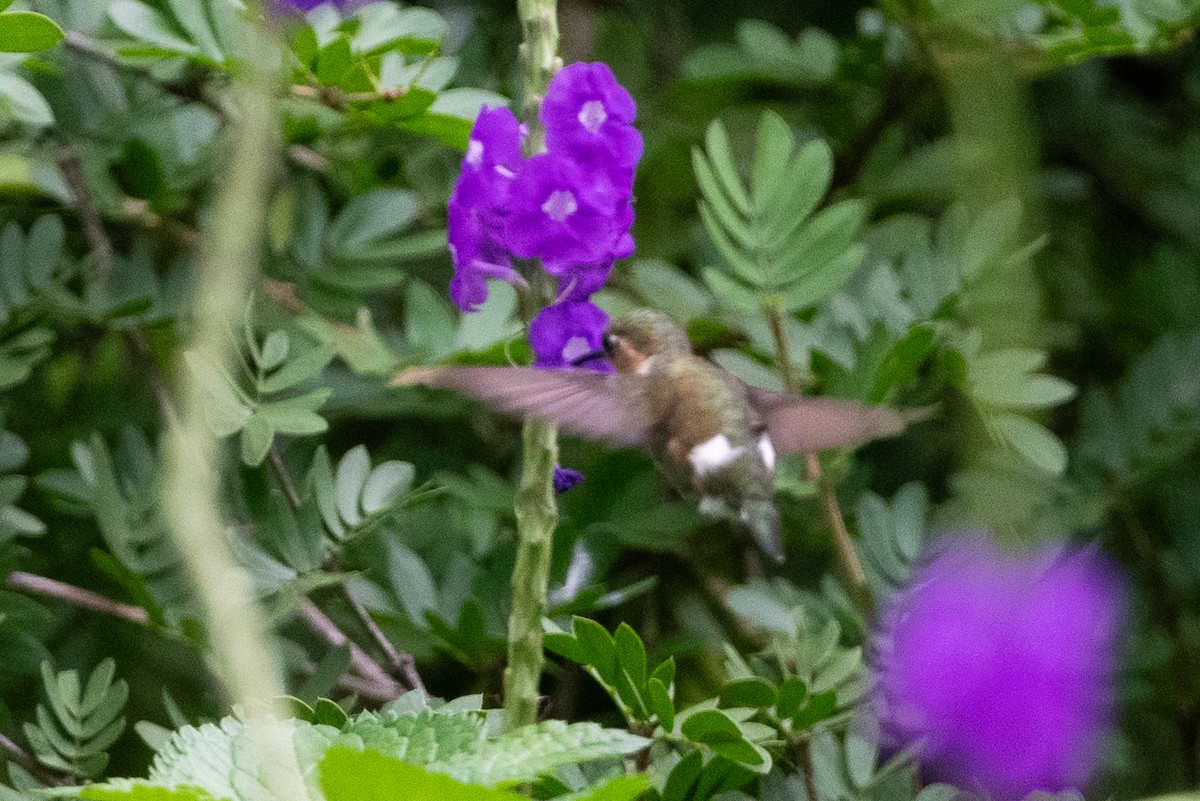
{"x": 641, "y": 335}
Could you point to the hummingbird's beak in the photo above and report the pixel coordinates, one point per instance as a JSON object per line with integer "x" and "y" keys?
{"x": 592, "y": 356}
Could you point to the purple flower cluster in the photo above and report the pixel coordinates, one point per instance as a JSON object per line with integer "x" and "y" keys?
{"x": 570, "y": 207}
{"x": 1000, "y": 667}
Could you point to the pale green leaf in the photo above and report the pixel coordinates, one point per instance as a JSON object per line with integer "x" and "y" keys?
{"x": 24, "y": 102}
{"x": 717, "y": 143}
{"x": 771, "y": 159}
{"x": 1033, "y": 441}
{"x": 352, "y": 473}
{"x": 149, "y": 26}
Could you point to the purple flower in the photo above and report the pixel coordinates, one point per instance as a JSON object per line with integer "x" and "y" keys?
{"x": 564, "y": 332}
{"x": 477, "y": 210}
{"x": 589, "y": 116}
{"x": 999, "y": 666}
{"x": 285, "y": 6}
{"x": 578, "y": 282}
{"x": 563, "y": 214}
{"x": 565, "y": 478}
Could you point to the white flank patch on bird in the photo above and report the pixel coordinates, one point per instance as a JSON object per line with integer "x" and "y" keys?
{"x": 713, "y": 454}
{"x": 767, "y": 450}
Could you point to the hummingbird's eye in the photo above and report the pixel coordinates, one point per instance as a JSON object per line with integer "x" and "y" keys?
{"x": 609, "y": 341}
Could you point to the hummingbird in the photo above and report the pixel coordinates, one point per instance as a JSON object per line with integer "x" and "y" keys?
{"x": 711, "y": 434}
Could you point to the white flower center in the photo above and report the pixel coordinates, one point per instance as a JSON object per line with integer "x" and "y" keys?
{"x": 560, "y": 205}
{"x": 575, "y": 347}
{"x": 592, "y": 115}
{"x": 474, "y": 152}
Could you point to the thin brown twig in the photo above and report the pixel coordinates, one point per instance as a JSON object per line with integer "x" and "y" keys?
{"x": 320, "y": 623}
{"x": 71, "y": 166}
{"x": 77, "y": 596}
{"x": 403, "y": 666}
{"x": 842, "y": 544}
{"x": 39, "y": 771}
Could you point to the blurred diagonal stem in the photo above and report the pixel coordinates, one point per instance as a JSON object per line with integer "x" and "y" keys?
{"x": 535, "y": 506}
{"x": 842, "y": 544}
{"x": 228, "y": 268}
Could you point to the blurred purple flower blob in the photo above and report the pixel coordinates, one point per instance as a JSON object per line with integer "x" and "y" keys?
{"x": 564, "y": 332}
{"x": 565, "y": 478}
{"x": 1000, "y": 667}
{"x": 589, "y": 116}
{"x": 477, "y": 210}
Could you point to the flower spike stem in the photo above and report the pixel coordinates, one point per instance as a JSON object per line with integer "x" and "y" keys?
{"x": 860, "y": 592}
{"x": 535, "y": 506}
{"x": 537, "y": 514}
{"x": 539, "y": 55}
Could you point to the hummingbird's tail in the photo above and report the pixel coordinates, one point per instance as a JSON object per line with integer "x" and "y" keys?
{"x": 762, "y": 518}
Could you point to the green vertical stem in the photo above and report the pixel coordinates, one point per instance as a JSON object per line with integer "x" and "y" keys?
{"x": 842, "y": 544}
{"x": 535, "y": 505}
{"x": 228, "y": 267}
{"x": 537, "y": 514}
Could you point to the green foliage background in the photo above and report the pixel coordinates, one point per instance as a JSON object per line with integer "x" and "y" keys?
{"x": 985, "y": 205}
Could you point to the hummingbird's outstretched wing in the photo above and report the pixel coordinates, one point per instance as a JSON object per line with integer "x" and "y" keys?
{"x": 811, "y": 424}
{"x": 613, "y": 408}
